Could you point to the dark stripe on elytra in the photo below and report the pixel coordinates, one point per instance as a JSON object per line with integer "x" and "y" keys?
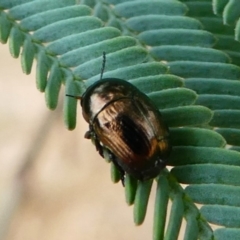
{"x": 133, "y": 135}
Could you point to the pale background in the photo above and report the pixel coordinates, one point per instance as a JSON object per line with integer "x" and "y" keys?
{"x": 65, "y": 191}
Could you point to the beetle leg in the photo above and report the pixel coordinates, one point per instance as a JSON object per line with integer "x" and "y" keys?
{"x": 122, "y": 174}
{"x": 90, "y": 134}
{"x": 99, "y": 147}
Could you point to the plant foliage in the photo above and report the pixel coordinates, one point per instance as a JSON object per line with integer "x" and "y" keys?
{"x": 185, "y": 56}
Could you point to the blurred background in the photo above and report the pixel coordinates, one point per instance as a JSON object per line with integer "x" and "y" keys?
{"x": 53, "y": 183}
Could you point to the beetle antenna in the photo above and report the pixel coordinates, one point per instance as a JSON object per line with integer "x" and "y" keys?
{"x": 103, "y": 65}
{"x": 68, "y": 95}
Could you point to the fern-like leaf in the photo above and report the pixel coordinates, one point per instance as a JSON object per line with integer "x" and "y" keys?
{"x": 156, "y": 47}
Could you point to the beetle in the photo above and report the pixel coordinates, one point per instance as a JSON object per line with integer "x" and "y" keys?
{"x": 125, "y": 124}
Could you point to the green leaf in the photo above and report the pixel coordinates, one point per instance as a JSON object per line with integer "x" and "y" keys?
{"x": 136, "y": 72}
{"x": 205, "y": 232}
{"x": 155, "y": 83}
{"x": 81, "y": 55}
{"x": 219, "y": 101}
{"x": 176, "y": 216}
{"x": 208, "y": 173}
{"x": 161, "y": 205}
{"x": 231, "y": 12}
{"x": 43, "y": 67}
{"x": 222, "y": 215}
{"x": 65, "y": 28}
{"x": 214, "y": 194}
{"x": 132, "y": 9}
{"x": 227, "y": 233}
{"x": 192, "y": 69}
{"x": 177, "y": 37}
{"x": 218, "y": 6}
{"x": 130, "y": 189}
{"x": 215, "y": 24}
{"x": 101, "y": 12}
{"x": 231, "y": 135}
{"x": 6, "y": 4}
{"x": 199, "y": 8}
{"x": 189, "y": 136}
{"x": 30, "y": 8}
{"x": 141, "y": 23}
{"x": 141, "y": 201}
{"x": 70, "y": 104}
{"x": 80, "y": 40}
{"x": 53, "y": 87}
{"x": 122, "y": 58}
{"x": 16, "y": 39}
{"x": 171, "y": 98}
{"x": 237, "y": 31}
{"x": 40, "y": 20}
{"x": 226, "y": 118}
{"x": 187, "y": 115}
{"x": 213, "y": 86}
{"x": 188, "y": 53}
{"x": 27, "y": 56}
{"x": 192, "y": 227}
{"x": 115, "y": 175}
{"x": 5, "y": 27}
{"x": 184, "y": 155}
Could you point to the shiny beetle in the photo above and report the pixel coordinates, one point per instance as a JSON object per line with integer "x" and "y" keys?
{"x": 126, "y": 125}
